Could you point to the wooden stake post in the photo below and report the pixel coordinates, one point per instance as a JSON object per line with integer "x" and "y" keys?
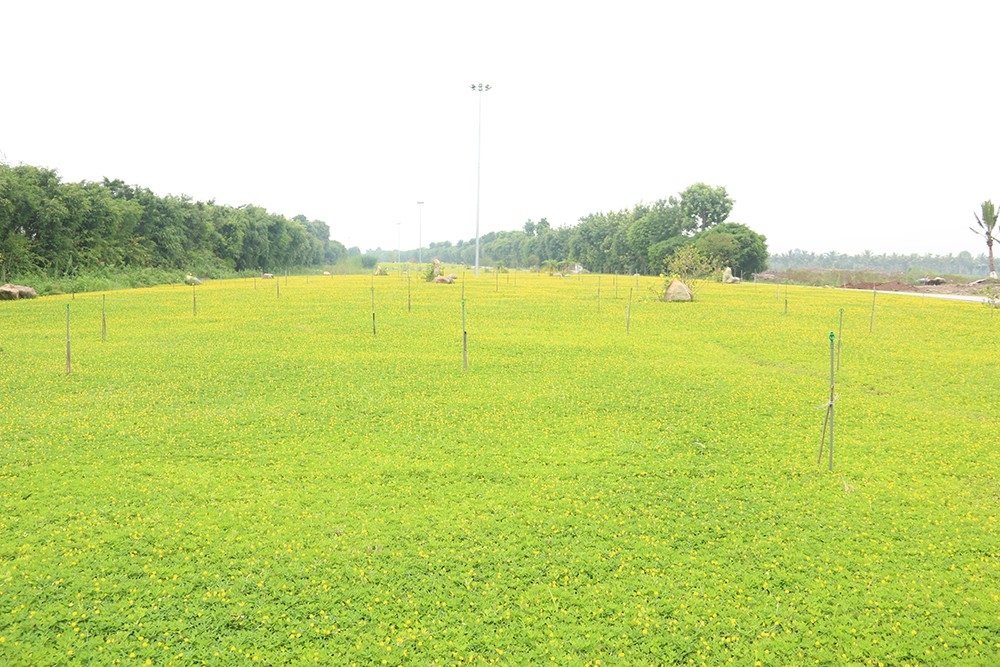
{"x": 465, "y": 341}
{"x": 69, "y": 363}
{"x": 829, "y": 413}
{"x": 871, "y": 323}
{"x": 628, "y": 312}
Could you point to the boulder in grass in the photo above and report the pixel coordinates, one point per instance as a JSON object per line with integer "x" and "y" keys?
{"x": 678, "y": 291}
{"x": 444, "y": 280}
{"x": 10, "y": 292}
{"x": 191, "y": 280}
{"x": 267, "y": 276}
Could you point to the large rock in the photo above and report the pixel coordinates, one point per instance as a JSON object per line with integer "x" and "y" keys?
{"x": 10, "y": 292}
{"x": 678, "y": 291}
{"x": 191, "y": 280}
{"x": 728, "y": 277}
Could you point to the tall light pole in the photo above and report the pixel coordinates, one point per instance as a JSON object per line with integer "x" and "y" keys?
{"x": 399, "y": 241}
{"x": 481, "y": 88}
{"x": 420, "y": 227}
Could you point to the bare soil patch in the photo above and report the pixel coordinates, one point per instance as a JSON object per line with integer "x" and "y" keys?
{"x": 881, "y": 281}
{"x": 891, "y": 286}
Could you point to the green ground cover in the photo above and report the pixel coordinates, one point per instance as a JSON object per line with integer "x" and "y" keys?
{"x": 266, "y": 480}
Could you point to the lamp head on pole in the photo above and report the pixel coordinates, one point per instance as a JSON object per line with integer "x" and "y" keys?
{"x": 480, "y": 87}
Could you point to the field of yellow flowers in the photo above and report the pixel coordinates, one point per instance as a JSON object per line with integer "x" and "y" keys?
{"x": 245, "y": 472}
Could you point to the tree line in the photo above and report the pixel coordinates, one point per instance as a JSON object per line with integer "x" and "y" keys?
{"x": 48, "y": 227}
{"x": 962, "y": 264}
{"x": 53, "y": 228}
{"x": 637, "y": 240}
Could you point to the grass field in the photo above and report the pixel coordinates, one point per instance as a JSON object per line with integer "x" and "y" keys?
{"x": 267, "y": 481}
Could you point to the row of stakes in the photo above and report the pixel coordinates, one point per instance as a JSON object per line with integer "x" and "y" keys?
{"x": 828, "y": 421}
{"x": 409, "y": 306}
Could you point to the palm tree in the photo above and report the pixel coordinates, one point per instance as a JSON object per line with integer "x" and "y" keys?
{"x": 987, "y": 223}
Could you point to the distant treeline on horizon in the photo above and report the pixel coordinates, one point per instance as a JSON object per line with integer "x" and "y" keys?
{"x": 962, "y": 264}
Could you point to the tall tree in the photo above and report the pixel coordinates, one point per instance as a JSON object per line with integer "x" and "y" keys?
{"x": 987, "y": 223}
{"x": 653, "y": 226}
{"x": 704, "y": 206}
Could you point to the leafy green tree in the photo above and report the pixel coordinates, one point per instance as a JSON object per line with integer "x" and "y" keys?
{"x": 690, "y": 266}
{"x": 689, "y": 262}
{"x": 704, "y": 206}
{"x": 661, "y": 253}
{"x": 553, "y": 243}
{"x": 593, "y": 243}
{"x": 255, "y": 252}
{"x": 16, "y": 255}
{"x": 734, "y": 245}
{"x": 35, "y": 207}
{"x": 987, "y": 223}
{"x": 106, "y": 226}
{"x": 653, "y": 226}
{"x": 335, "y": 251}
{"x": 231, "y": 226}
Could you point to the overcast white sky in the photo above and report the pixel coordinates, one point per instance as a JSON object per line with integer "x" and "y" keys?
{"x": 848, "y": 126}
